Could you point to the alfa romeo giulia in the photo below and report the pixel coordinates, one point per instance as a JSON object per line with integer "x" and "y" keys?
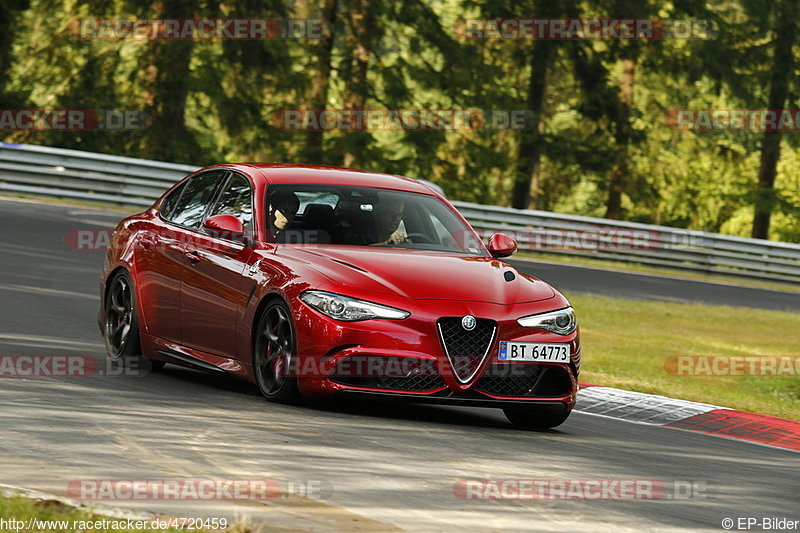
{"x": 320, "y": 281}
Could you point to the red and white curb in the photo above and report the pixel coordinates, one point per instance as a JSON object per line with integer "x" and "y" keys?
{"x": 690, "y": 416}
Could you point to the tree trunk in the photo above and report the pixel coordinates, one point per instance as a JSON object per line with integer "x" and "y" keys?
{"x": 526, "y": 185}
{"x": 321, "y": 82}
{"x": 782, "y": 70}
{"x": 361, "y": 31}
{"x": 166, "y": 82}
{"x": 9, "y": 25}
{"x": 619, "y": 171}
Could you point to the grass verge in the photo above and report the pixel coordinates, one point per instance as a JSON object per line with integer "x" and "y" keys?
{"x": 64, "y": 518}
{"x": 626, "y": 344}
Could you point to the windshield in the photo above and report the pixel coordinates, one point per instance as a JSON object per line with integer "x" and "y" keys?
{"x": 366, "y": 216}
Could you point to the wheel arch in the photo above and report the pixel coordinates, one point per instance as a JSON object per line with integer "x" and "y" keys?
{"x": 266, "y": 299}
{"x": 138, "y": 307}
{"x": 111, "y": 275}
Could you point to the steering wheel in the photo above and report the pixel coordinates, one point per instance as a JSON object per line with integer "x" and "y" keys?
{"x": 419, "y": 238}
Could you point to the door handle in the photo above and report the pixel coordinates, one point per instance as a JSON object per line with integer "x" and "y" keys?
{"x": 193, "y": 257}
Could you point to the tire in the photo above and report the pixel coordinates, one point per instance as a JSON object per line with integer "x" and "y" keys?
{"x": 533, "y": 418}
{"x": 121, "y": 322}
{"x": 274, "y": 352}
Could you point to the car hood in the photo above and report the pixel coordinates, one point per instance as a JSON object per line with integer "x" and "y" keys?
{"x": 422, "y": 274}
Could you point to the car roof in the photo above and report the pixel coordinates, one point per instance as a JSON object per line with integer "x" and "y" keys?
{"x": 316, "y": 174}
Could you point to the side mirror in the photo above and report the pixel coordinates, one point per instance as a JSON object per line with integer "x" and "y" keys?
{"x": 224, "y": 226}
{"x": 502, "y": 245}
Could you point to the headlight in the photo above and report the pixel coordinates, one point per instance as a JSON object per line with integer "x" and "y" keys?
{"x": 562, "y": 321}
{"x": 349, "y": 309}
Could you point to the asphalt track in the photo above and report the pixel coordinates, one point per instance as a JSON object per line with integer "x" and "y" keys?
{"x": 382, "y": 467}
{"x": 615, "y": 283}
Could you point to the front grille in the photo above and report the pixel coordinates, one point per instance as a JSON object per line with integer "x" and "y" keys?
{"x": 411, "y": 383}
{"x": 529, "y": 379}
{"x": 388, "y": 373}
{"x": 465, "y": 349}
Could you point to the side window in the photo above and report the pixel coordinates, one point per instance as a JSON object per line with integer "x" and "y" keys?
{"x": 235, "y": 199}
{"x": 197, "y": 193}
{"x": 168, "y": 207}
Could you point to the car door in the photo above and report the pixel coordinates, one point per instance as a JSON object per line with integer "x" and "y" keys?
{"x": 161, "y": 249}
{"x": 215, "y": 289}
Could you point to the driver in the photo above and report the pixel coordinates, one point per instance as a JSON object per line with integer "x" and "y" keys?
{"x": 283, "y": 206}
{"x": 388, "y": 215}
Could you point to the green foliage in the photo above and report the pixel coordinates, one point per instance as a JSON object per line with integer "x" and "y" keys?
{"x": 213, "y": 101}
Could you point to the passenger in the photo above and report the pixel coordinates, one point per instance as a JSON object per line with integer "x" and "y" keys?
{"x": 283, "y": 206}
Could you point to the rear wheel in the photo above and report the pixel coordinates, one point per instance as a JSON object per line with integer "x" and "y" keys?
{"x": 121, "y": 326}
{"x": 533, "y": 418}
{"x": 274, "y": 353}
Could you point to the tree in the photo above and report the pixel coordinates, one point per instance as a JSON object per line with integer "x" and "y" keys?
{"x": 527, "y": 188}
{"x": 526, "y": 185}
{"x": 362, "y": 33}
{"x": 596, "y": 144}
{"x": 165, "y": 77}
{"x": 754, "y": 34}
{"x": 9, "y": 22}
{"x": 320, "y": 86}
{"x": 781, "y": 74}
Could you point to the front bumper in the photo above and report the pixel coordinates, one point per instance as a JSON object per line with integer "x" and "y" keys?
{"x": 555, "y": 406}
{"x": 325, "y": 345}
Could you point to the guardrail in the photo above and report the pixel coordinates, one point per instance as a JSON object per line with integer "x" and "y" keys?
{"x": 61, "y": 173}
{"x": 126, "y": 181}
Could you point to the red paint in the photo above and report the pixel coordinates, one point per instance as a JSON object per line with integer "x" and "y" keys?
{"x": 502, "y": 245}
{"x": 198, "y": 295}
{"x": 745, "y": 426}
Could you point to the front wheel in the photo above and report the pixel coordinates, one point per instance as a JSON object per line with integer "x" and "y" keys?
{"x": 533, "y": 418}
{"x": 274, "y": 354}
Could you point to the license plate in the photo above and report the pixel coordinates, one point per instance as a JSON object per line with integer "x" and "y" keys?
{"x": 534, "y": 351}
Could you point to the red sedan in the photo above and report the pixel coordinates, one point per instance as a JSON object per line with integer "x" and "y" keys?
{"x": 319, "y": 281}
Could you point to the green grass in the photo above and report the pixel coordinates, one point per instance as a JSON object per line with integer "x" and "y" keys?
{"x": 626, "y": 344}
{"x": 646, "y": 269}
{"x": 20, "y": 508}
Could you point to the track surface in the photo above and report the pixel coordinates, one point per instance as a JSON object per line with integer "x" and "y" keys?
{"x": 600, "y": 281}
{"x": 386, "y": 467}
